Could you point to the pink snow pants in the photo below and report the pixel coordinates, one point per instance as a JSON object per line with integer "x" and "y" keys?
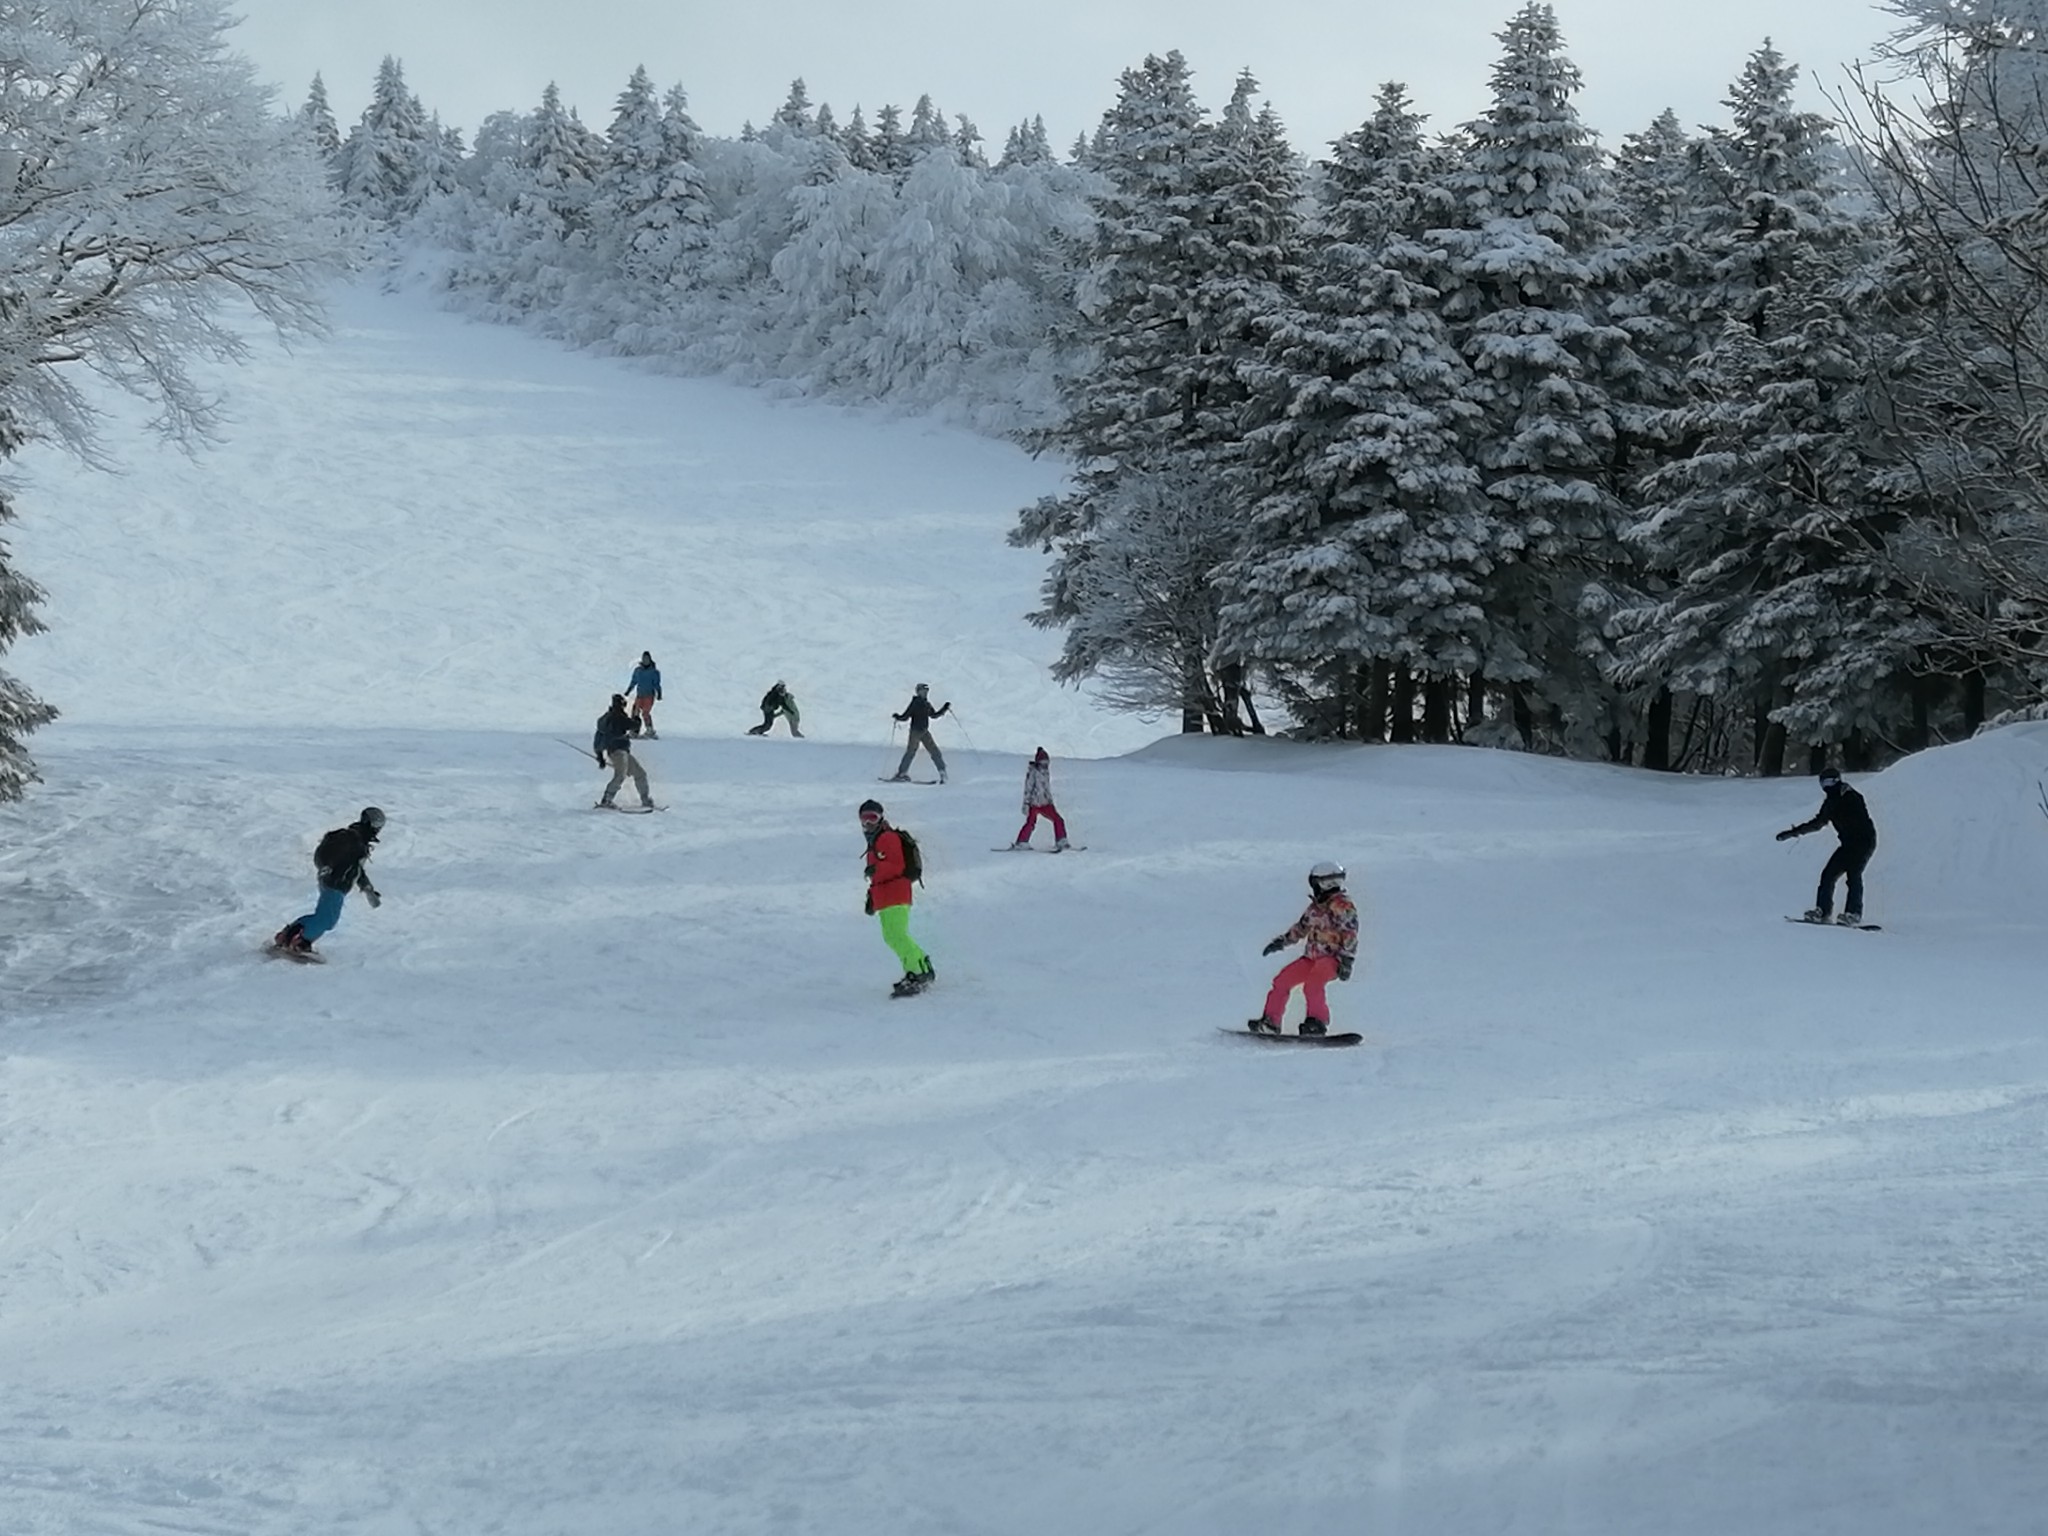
{"x": 1312, "y": 975}
{"x": 1059, "y": 827}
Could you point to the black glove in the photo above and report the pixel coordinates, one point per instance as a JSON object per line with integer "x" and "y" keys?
{"x": 1787, "y": 835}
{"x": 1274, "y": 947}
{"x": 600, "y": 761}
{"x": 372, "y": 898}
{"x": 1343, "y": 970}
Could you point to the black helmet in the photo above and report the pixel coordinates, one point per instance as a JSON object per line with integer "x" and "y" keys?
{"x": 870, "y": 810}
{"x": 1830, "y": 778}
{"x": 372, "y": 818}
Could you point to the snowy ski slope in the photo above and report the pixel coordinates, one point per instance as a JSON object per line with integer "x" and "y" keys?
{"x": 597, "y": 1187}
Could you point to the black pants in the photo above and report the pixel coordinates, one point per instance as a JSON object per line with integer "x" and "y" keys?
{"x": 1849, "y": 860}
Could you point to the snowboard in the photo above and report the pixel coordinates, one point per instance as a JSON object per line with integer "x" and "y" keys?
{"x": 890, "y": 778}
{"x": 302, "y": 956}
{"x": 1831, "y": 923}
{"x": 628, "y": 810}
{"x": 1259, "y": 1034}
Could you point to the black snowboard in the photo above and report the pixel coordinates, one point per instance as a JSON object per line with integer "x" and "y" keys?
{"x": 1259, "y": 1034}
{"x": 628, "y": 810}
{"x": 1814, "y": 922}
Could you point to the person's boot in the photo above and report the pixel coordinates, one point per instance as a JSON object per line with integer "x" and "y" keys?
{"x": 286, "y": 937}
{"x": 942, "y": 775}
{"x": 799, "y": 735}
{"x": 1815, "y": 915}
{"x": 1851, "y": 919}
{"x": 1262, "y": 1026}
{"x": 1061, "y": 846}
{"x": 1314, "y": 1027}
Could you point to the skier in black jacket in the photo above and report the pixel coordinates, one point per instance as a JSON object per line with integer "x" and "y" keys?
{"x": 612, "y": 745}
{"x": 920, "y": 714}
{"x": 338, "y": 861}
{"x": 1843, "y": 809}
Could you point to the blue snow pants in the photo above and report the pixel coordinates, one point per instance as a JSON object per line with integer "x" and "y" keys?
{"x": 321, "y": 920}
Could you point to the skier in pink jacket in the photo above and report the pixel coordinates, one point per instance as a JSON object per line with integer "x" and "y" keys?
{"x": 1330, "y": 927}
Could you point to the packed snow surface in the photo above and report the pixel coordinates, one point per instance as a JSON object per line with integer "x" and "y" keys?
{"x": 596, "y": 1185}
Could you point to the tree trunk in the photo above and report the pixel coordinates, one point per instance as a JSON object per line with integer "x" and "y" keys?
{"x": 1404, "y": 705}
{"x": 1475, "y": 702}
{"x": 1525, "y": 717}
{"x": 1436, "y": 708}
{"x": 1657, "y": 732}
{"x": 1373, "y": 727}
{"x": 1975, "y": 709}
{"x": 1922, "y": 735}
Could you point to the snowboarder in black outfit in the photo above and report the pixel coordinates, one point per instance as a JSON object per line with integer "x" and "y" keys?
{"x": 920, "y": 714}
{"x": 338, "y": 863}
{"x": 1843, "y": 809}
{"x": 612, "y": 745}
{"x": 777, "y": 701}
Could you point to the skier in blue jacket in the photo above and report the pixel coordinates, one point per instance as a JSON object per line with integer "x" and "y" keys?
{"x": 645, "y": 686}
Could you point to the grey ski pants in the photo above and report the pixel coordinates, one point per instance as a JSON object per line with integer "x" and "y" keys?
{"x": 921, "y": 739}
{"x": 624, "y": 762}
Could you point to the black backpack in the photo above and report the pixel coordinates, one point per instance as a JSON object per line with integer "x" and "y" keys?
{"x": 913, "y": 856}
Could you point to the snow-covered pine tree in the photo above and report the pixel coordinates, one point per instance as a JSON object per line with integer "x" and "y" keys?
{"x": 21, "y": 712}
{"x": 891, "y": 150}
{"x": 1151, "y": 418}
{"x": 380, "y": 161}
{"x": 1759, "y": 541}
{"x": 796, "y": 116}
{"x": 928, "y": 130}
{"x": 650, "y": 212}
{"x": 129, "y": 227}
{"x": 317, "y": 117}
{"x": 858, "y": 143}
{"x": 1531, "y": 256}
{"x": 1368, "y": 545}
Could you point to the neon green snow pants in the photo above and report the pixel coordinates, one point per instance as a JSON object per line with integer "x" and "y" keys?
{"x": 896, "y": 934}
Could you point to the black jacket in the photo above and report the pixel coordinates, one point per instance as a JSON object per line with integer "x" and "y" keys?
{"x": 340, "y": 858}
{"x": 615, "y": 729}
{"x": 920, "y": 714}
{"x": 775, "y": 698}
{"x": 1845, "y": 811}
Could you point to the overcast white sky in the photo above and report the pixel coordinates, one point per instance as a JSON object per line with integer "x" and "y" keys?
{"x": 1318, "y": 61}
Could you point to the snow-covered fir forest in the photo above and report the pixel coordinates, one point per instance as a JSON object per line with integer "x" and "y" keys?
{"x": 1705, "y": 448}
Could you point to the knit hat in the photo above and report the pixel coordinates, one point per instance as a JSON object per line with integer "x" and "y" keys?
{"x": 618, "y": 701}
{"x": 870, "y": 808}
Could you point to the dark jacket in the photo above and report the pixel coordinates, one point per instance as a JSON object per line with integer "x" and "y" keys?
{"x": 340, "y": 858}
{"x": 1844, "y": 810}
{"x": 920, "y": 714}
{"x": 615, "y": 731}
{"x": 775, "y": 698}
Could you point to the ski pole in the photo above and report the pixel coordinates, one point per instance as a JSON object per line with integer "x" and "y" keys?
{"x": 579, "y": 751}
{"x": 965, "y": 732}
{"x": 2041, "y": 785}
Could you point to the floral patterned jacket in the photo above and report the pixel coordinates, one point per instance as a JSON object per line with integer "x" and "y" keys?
{"x": 1330, "y": 927}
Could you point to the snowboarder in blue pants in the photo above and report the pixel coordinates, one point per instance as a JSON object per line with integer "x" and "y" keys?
{"x": 338, "y": 862}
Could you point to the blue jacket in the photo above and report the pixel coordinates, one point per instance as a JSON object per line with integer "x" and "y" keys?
{"x": 646, "y": 680}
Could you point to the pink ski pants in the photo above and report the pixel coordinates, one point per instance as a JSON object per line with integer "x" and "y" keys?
{"x": 1312, "y": 975}
{"x": 1059, "y": 827}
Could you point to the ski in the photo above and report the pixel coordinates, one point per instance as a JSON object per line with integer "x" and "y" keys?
{"x": 1829, "y": 922}
{"x": 1259, "y": 1034}
{"x": 1027, "y": 848}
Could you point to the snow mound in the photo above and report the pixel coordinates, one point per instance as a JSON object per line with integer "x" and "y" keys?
{"x": 1961, "y": 829}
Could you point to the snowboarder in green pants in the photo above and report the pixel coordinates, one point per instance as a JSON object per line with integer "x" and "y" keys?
{"x": 893, "y": 862}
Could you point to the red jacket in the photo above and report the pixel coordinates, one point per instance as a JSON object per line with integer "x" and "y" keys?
{"x": 886, "y": 885}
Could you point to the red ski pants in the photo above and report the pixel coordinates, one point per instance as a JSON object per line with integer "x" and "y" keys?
{"x": 1311, "y": 973}
{"x": 1059, "y": 827}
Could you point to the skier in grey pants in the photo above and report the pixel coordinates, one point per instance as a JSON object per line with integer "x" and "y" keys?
{"x": 920, "y": 714}
{"x": 612, "y": 746}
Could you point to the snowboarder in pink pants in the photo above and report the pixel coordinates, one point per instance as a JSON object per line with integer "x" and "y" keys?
{"x": 1330, "y": 927}
{"x": 1038, "y": 802}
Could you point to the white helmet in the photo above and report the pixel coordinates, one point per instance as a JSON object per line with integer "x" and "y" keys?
{"x": 1326, "y": 877}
